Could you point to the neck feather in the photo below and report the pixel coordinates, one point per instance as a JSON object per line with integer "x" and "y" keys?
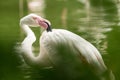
{"x": 26, "y": 45}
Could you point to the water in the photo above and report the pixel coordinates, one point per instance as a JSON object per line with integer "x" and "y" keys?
{"x": 96, "y": 21}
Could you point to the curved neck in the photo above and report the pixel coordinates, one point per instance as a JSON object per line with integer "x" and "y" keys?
{"x": 26, "y": 45}
{"x": 30, "y": 35}
{"x": 27, "y": 53}
{"x": 26, "y": 29}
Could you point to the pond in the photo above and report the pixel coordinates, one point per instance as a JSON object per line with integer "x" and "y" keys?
{"x": 96, "y": 21}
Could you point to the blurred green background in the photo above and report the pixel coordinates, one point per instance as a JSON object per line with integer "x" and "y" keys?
{"x": 95, "y": 20}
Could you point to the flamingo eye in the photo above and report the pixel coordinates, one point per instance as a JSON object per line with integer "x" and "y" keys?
{"x": 34, "y": 17}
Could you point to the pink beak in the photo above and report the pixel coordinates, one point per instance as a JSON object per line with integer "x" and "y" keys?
{"x": 43, "y": 23}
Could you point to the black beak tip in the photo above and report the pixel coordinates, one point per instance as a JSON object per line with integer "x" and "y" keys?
{"x": 49, "y": 29}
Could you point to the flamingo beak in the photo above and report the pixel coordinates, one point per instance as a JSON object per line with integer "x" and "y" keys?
{"x": 43, "y": 23}
{"x": 48, "y": 28}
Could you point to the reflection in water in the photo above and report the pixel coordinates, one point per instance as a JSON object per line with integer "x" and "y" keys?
{"x": 90, "y": 19}
{"x": 33, "y": 6}
{"x": 118, "y": 8}
{"x": 64, "y": 17}
{"x": 95, "y": 25}
{"x": 21, "y": 7}
{"x": 36, "y": 6}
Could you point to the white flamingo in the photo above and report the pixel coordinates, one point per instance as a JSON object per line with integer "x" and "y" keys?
{"x": 58, "y": 47}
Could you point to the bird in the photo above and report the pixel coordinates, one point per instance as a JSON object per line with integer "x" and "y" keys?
{"x": 59, "y": 48}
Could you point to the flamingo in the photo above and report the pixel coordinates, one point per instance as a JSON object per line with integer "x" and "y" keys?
{"x": 59, "y": 48}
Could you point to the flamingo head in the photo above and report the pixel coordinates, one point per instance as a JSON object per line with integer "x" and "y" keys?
{"x": 34, "y": 20}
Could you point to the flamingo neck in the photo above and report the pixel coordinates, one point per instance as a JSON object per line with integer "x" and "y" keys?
{"x": 26, "y": 29}
{"x": 26, "y": 45}
{"x": 29, "y": 33}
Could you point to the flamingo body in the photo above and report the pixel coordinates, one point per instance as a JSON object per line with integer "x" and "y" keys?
{"x": 66, "y": 51}
{"x": 60, "y": 43}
